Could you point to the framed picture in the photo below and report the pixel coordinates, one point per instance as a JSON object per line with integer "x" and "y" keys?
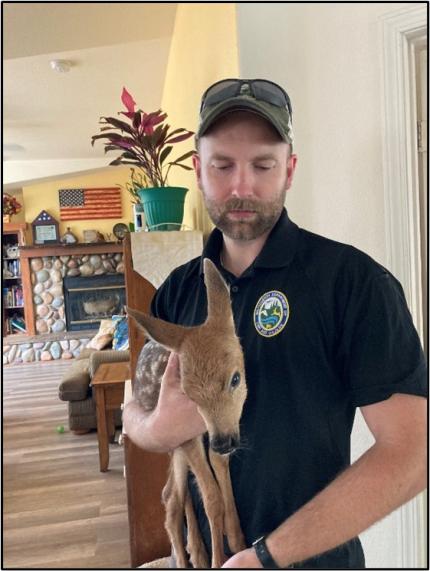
{"x": 45, "y": 229}
{"x": 92, "y": 236}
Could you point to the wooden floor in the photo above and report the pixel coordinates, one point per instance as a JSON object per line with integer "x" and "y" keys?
{"x": 59, "y": 510}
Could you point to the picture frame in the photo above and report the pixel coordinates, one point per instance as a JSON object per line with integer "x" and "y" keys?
{"x": 93, "y": 236}
{"x": 45, "y": 229}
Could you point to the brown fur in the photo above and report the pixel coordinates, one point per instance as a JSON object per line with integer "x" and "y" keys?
{"x": 209, "y": 356}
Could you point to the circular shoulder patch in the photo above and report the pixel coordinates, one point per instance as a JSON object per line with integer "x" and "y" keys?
{"x": 271, "y": 313}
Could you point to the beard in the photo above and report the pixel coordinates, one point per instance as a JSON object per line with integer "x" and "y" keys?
{"x": 265, "y": 215}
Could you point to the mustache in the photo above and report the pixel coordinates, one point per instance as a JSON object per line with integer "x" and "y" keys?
{"x": 242, "y": 204}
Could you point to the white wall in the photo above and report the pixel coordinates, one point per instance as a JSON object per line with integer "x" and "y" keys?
{"x": 327, "y": 56}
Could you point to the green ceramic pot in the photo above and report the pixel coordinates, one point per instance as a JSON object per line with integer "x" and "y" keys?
{"x": 164, "y": 207}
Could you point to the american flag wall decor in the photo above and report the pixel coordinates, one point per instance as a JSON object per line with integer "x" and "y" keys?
{"x": 90, "y": 203}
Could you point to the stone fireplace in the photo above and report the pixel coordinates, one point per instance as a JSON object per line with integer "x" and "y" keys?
{"x": 48, "y": 274}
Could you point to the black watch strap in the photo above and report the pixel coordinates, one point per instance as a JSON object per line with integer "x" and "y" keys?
{"x": 263, "y": 554}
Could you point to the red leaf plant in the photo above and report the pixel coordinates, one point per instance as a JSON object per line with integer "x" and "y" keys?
{"x": 145, "y": 141}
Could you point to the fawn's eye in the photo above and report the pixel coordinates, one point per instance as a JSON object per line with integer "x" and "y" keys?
{"x": 235, "y": 380}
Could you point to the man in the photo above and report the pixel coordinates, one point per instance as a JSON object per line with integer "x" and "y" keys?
{"x": 325, "y": 329}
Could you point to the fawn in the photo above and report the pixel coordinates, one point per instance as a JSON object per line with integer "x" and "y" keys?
{"x": 213, "y": 376}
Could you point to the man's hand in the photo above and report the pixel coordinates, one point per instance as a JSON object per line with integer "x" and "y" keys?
{"x": 176, "y": 417}
{"x": 174, "y": 420}
{"x": 246, "y": 559}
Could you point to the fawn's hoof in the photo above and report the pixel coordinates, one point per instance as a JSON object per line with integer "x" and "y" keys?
{"x": 199, "y": 560}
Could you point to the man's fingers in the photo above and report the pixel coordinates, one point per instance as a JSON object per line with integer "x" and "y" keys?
{"x": 171, "y": 374}
{"x": 173, "y": 362}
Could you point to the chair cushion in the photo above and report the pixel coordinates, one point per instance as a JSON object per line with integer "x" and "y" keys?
{"x": 75, "y": 383}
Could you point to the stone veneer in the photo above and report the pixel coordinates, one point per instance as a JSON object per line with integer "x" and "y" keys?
{"x": 43, "y": 350}
{"x": 47, "y": 275}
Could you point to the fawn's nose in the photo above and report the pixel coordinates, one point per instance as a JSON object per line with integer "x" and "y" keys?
{"x": 224, "y": 443}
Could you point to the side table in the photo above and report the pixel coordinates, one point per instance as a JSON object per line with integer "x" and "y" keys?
{"x": 108, "y": 384}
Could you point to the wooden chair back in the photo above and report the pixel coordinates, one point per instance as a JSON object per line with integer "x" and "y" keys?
{"x": 146, "y": 472}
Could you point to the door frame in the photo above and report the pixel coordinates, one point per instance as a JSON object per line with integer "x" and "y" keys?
{"x": 400, "y": 32}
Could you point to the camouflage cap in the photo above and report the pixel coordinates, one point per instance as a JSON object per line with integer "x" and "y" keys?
{"x": 279, "y": 117}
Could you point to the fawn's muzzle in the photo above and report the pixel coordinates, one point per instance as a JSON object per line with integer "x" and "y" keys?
{"x": 224, "y": 443}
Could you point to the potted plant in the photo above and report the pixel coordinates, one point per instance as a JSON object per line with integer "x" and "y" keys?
{"x": 145, "y": 141}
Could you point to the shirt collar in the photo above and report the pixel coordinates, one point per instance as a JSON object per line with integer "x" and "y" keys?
{"x": 277, "y": 252}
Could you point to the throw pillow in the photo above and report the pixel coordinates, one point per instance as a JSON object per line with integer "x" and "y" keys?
{"x": 104, "y": 335}
{"x": 120, "y": 336}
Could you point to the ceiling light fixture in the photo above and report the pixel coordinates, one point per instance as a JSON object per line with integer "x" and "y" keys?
{"x": 61, "y": 65}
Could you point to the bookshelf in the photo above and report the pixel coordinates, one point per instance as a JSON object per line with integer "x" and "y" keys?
{"x": 13, "y": 295}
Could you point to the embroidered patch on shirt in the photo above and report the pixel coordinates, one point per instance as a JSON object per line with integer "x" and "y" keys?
{"x": 271, "y": 313}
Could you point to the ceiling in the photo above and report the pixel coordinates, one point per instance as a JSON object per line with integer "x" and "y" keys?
{"x": 51, "y": 116}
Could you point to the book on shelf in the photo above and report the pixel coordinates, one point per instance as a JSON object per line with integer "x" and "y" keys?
{"x": 15, "y": 324}
{"x": 18, "y": 324}
{"x": 13, "y": 296}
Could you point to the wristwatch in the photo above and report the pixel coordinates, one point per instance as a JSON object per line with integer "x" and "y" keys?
{"x": 263, "y": 554}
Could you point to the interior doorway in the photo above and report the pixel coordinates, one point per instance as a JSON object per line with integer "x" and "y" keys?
{"x": 404, "y": 68}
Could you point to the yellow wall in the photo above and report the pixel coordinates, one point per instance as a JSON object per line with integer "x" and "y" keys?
{"x": 203, "y": 50}
{"x": 44, "y": 196}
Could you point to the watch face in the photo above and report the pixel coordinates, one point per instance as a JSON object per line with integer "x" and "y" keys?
{"x": 45, "y": 233}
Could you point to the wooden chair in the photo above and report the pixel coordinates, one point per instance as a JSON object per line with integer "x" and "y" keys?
{"x": 146, "y": 472}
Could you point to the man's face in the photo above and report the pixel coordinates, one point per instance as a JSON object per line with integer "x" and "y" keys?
{"x": 244, "y": 170}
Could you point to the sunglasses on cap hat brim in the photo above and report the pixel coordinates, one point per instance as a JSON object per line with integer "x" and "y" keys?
{"x": 261, "y": 89}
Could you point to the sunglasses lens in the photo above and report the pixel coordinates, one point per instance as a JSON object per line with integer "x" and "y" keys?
{"x": 220, "y": 91}
{"x": 261, "y": 89}
{"x": 271, "y": 93}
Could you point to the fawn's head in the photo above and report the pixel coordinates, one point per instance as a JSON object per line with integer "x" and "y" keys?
{"x": 211, "y": 361}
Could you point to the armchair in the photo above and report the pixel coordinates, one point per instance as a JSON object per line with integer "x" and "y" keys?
{"x": 75, "y": 388}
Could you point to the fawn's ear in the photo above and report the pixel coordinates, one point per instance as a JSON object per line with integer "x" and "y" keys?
{"x": 219, "y": 304}
{"x": 167, "y": 334}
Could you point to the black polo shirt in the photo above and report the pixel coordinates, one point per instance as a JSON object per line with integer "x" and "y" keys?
{"x": 325, "y": 329}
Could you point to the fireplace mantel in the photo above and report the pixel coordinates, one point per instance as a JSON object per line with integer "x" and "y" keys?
{"x": 70, "y": 249}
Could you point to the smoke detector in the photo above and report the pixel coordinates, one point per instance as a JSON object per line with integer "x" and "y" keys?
{"x": 60, "y": 65}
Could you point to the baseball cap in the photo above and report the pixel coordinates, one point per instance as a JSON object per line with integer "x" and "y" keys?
{"x": 260, "y": 96}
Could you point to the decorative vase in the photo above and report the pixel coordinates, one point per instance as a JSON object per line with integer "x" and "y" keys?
{"x": 6, "y": 218}
{"x": 164, "y": 207}
{"x": 139, "y": 217}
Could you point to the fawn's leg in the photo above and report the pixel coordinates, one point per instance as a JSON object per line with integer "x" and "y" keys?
{"x": 211, "y": 497}
{"x": 220, "y": 464}
{"x": 174, "y": 500}
{"x": 195, "y": 546}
